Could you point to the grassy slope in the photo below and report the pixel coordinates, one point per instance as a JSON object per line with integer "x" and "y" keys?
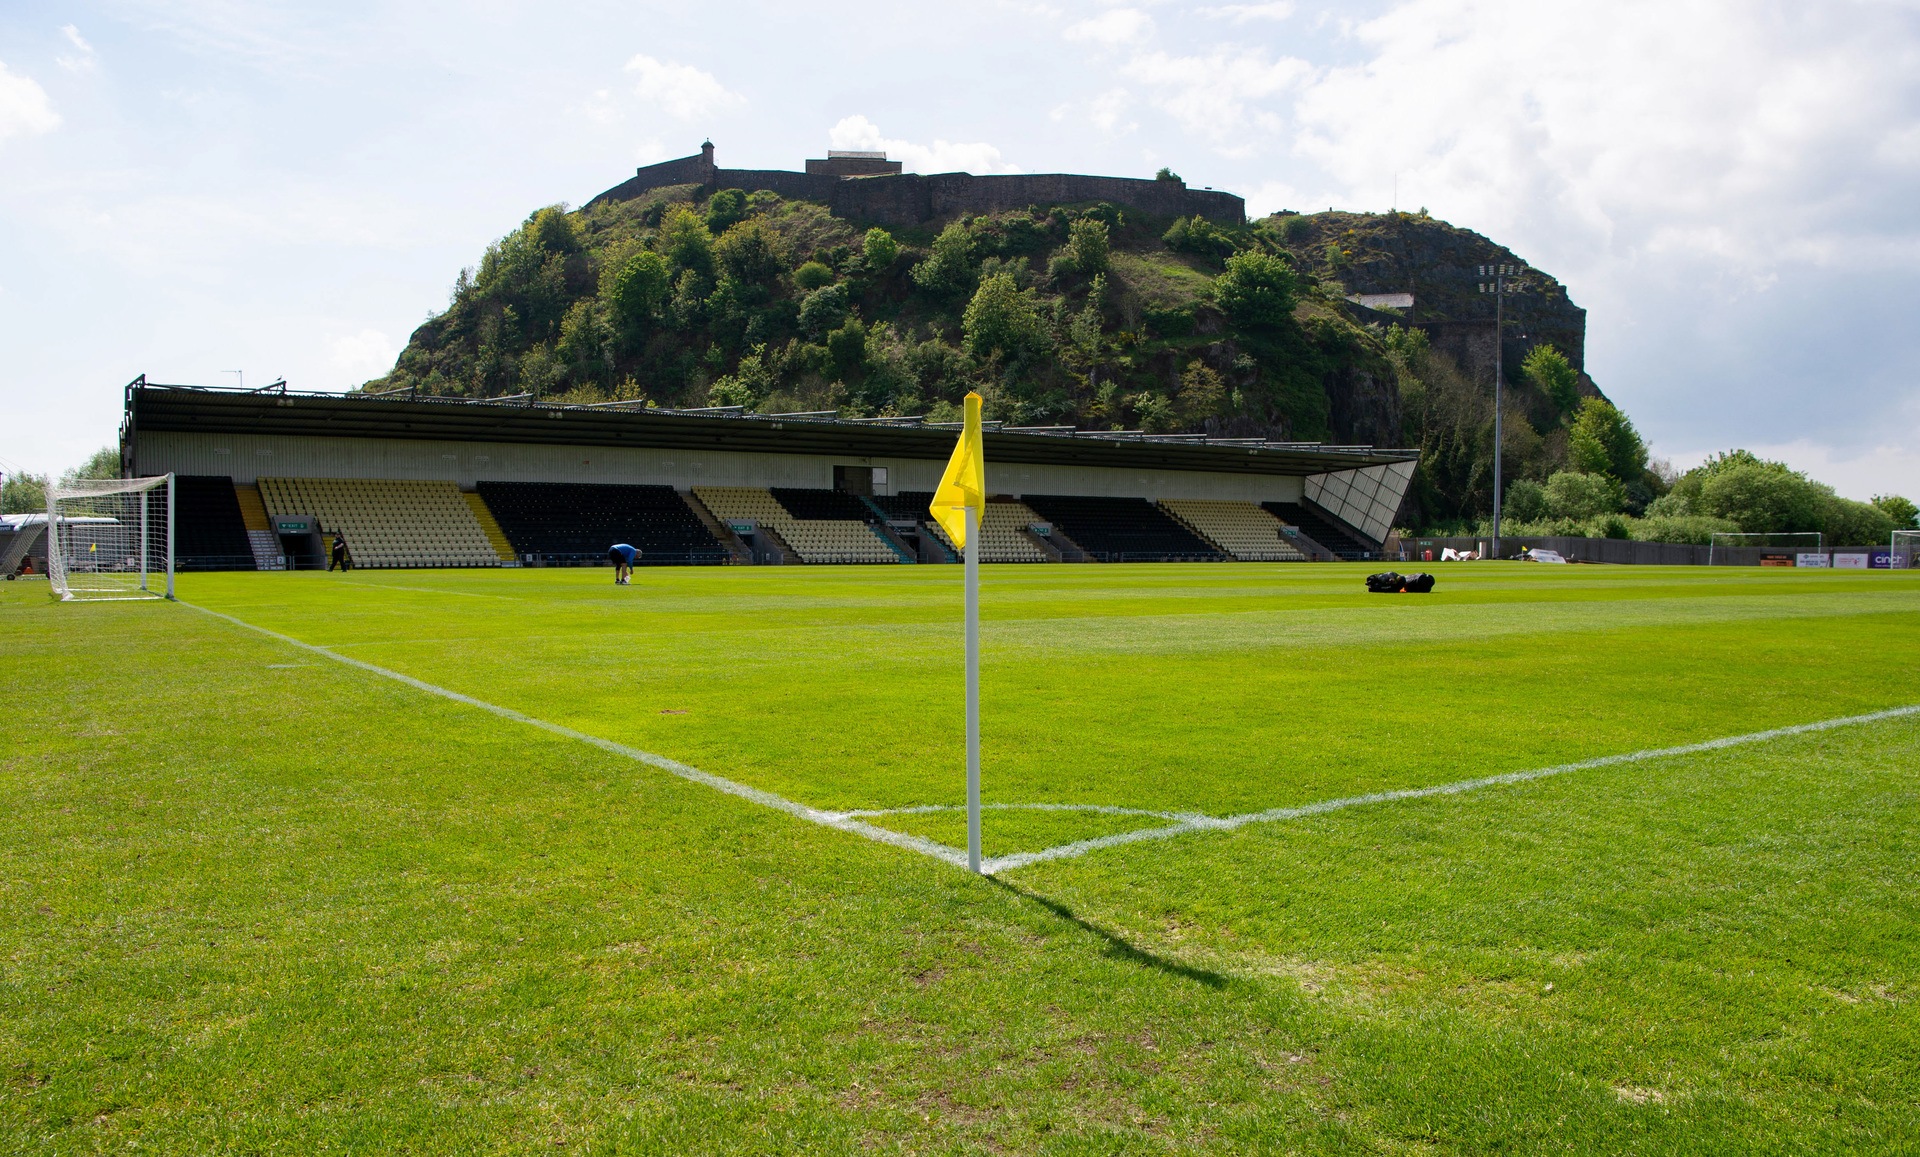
{"x": 246, "y": 903}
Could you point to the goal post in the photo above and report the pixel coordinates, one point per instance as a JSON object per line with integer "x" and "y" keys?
{"x": 1903, "y": 550}
{"x": 1800, "y": 542}
{"x": 111, "y": 538}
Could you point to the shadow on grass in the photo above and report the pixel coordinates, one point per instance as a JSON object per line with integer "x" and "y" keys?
{"x": 1117, "y": 947}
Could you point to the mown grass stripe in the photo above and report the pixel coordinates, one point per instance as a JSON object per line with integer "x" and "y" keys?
{"x": 1273, "y": 815}
{"x": 1185, "y": 824}
{"x": 826, "y": 819}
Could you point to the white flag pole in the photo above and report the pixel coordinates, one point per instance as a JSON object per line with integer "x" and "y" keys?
{"x": 973, "y": 687}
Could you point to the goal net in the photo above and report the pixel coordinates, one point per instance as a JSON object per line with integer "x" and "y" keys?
{"x": 111, "y": 538}
{"x": 1737, "y": 548}
{"x": 1904, "y": 551}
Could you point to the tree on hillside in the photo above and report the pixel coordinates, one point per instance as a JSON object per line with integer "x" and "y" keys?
{"x": 1001, "y": 321}
{"x": 1258, "y": 292}
{"x": 1549, "y": 369}
{"x": 637, "y": 290}
{"x": 879, "y": 249}
{"x": 751, "y": 253}
{"x": 948, "y": 269}
{"x": 685, "y": 241}
{"x": 812, "y": 275}
{"x": 1087, "y": 242}
{"x": 1603, "y": 441}
{"x": 725, "y": 209}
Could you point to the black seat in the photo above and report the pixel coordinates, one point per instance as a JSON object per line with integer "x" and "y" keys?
{"x": 575, "y": 522}
{"x": 1322, "y": 530}
{"x": 1122, "y": 529}
{"x": 208, "y": 533}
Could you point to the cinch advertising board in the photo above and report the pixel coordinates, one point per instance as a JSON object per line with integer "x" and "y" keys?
{"x": 1810, "y": 558}
{"x": 1849, "y": 560}
{"x": 1880, "y": 560}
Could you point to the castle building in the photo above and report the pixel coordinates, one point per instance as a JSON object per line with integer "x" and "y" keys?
{"x": 864, "y": 186}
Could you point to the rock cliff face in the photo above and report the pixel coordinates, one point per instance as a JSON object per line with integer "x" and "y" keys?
{"x": 1438, "y": 263}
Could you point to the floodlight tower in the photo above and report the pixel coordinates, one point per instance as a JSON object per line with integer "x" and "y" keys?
{"x": 1499, "y": 287}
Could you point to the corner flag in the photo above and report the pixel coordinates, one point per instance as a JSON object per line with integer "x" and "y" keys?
{"x": 964, "y": 485}
{"x": 957, "y": 507}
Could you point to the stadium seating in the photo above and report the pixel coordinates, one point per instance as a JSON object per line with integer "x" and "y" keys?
{"x": 575, "y": 522}
{"x": 1242, "y": 529}
{"x": 1003, "y": 528}
{"x": 912, "y": 506}
{"x": 490, "y": 526}
{"x": 1122, "y": 529}
{"x": 209, "y": 532}
{"x": 1321, "y": 530}
{"x": 260, "y": 536}
{"x": 815, "y": 540}
{"x": 388, "y": 522}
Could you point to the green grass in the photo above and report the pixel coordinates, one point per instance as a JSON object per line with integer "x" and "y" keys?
{"x": 252, "y": 899}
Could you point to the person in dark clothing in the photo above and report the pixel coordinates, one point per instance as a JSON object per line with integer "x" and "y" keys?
{"x": 339, "y": 558}
{"x": 622, "y": 555}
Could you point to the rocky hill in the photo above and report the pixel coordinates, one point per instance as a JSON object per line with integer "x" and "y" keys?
{"x": 1084, "y": 314}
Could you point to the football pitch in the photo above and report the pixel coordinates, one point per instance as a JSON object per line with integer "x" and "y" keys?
{"x": 521, "y": 861}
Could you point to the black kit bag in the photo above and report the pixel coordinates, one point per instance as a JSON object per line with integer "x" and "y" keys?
{"x": 1386, "y": 583}
{"x": 1419, "y": 584}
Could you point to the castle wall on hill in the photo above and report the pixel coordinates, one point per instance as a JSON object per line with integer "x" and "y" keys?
{"x": 909, "y": 199}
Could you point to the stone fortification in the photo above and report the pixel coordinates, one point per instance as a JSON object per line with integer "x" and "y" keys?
{"x": 908, "y": 199}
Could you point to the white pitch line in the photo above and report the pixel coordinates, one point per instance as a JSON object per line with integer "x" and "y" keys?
{"x": 1186, "y": 822}
{"x": 1273, "y": 815}
{"x": 826, "y": 819}
{"x": 1098, "y": 808}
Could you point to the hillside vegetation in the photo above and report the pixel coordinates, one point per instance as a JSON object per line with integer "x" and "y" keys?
{"x": 1084, "y": 315}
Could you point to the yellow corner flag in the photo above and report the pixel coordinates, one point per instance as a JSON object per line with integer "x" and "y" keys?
{"x": 965, "y": 482}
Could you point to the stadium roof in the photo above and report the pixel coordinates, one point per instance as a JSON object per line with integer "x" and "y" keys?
{"x": 275, "y": 410}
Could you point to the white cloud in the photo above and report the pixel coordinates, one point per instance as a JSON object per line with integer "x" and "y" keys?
{"x": 24, "y": 107}
{"x": 684, "y": 91}
{"x": 1229, "y": 96}
{"x": 363, "y": 355}
{"x": 1117, "y": 26}
{"x": 858, "y": 133}
{"x": 1109, "y": 109}
{"x": 84, "y": 61}
{"x": 1657, "y": 126}
{"x": 601, "y": 108}
{"x": 1242, "y": 13}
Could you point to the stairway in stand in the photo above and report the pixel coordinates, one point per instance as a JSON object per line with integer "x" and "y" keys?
{"x": 489, "y": 525}
{"x": 261, "y": 539}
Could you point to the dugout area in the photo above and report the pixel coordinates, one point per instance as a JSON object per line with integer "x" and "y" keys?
{"x": 269, "y": 479}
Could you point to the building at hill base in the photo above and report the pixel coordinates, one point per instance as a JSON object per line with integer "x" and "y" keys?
{"x": 268, "y": 480}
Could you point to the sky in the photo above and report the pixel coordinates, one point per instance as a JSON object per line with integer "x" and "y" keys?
{"x": 215, "y": 192}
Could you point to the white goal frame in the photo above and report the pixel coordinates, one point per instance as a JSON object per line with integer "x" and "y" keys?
{"x": 118, "y": 514}
{"x": 1903, "y": 550}
{"x": 1714, "y": 543}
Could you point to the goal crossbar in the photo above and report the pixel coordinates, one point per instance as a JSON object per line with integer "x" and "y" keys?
{"x": 111, "y": 538}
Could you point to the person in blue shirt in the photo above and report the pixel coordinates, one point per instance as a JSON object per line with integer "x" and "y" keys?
{"x": 622, "y": 555}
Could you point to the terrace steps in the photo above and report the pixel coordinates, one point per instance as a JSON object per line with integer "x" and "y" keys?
{"x": 490, "y": 526}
